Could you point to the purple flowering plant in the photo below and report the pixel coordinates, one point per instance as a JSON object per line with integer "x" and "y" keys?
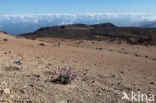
{"x": 65, "y": 76}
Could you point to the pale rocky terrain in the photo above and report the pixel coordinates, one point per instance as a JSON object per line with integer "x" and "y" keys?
{"x": 104, "y": 70}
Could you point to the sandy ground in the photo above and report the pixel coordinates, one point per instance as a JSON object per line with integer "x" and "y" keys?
{"x": 104, "y": 70}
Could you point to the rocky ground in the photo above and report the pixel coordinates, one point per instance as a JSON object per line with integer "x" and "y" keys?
{"x": 104, "y": 70}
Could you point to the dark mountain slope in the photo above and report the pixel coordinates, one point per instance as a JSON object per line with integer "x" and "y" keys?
{"x": 103, "y": 25}
{"x": 107, "y": 31}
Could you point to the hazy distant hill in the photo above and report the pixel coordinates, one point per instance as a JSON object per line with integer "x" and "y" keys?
{"x": 150, "y": 25}
{"x": 105, "y": 31}
{"x": 106, "y": 25}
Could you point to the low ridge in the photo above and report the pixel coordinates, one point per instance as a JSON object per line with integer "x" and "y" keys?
{"x": 105, "y": 31}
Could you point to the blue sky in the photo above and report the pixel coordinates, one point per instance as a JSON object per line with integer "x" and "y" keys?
{"x": 30, "y": 15}
{"x": 75, "y": 6}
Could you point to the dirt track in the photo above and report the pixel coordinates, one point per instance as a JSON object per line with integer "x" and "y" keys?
{"x": 104, "y": 70}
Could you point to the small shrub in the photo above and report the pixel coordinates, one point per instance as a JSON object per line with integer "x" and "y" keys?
{"x": 92, "y": 42}
{"x": 99, "y": 48}
{"x": 146, "y": 56}
{"x": 33, "y": 38}
{"x": 11, "y": 68}
{"x": 5, "y": 40}
{"x": 17, "y": 62}
{"x": 136, "y": 55}
{"x": 9, "y": 51}
{"x": 65, "y": 76}
{"x": 154, "y": 59}
{"x": 59, "y": 44}
{"x": 42, "y": 44}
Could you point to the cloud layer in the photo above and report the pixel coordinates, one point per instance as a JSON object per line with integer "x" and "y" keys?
{"x": 40, "y": 20}
{"x": 71, "y": 18}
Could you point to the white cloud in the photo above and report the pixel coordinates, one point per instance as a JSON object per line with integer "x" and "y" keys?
{"x": 64, "y": 18}
{"x": 64, "y": 23}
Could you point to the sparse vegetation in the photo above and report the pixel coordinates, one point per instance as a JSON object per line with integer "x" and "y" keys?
{"x": 42, "y": 44}
{"x": 58, "y": 44}
{"x": 65, "y": 76}
{"x": 12, "y": 68}
{"x": 146, "y": 56}
{"x": 99, "y": 48}
{"x": 5, "y": 40}
{"x": 136, "y": 55}
{"x": 154, "y": 59}
{"x": 18, "y": 62}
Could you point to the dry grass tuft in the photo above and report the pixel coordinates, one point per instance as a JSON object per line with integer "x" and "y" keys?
{"x": 12, "y": 68}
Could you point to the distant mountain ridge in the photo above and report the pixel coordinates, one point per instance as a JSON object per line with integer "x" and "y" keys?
{"x": 150, "y": 25}
{"x": 104, "y": 31}
{"x": 76, "y": 26}
{"x": 103, "y": 25}
{"x": 71, "y": 26}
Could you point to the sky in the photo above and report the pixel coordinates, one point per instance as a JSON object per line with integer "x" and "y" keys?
{"x": 22, "y": 16}
{"x": 76, "y": 6}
